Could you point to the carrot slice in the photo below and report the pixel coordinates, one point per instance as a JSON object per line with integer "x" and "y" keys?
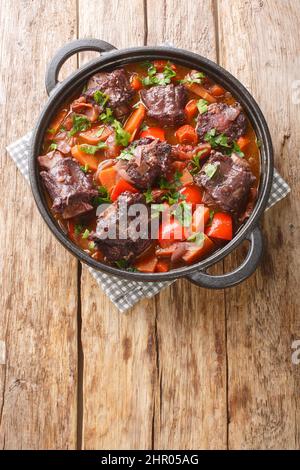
{"x": 84, "y": 158}
{"x": 107, "y": 178}
{"x": 147, "y": 264}
{"x": 56, "y": 123}
{"x": 201, "y": 91}
{"x": 243, "y": 142}
{"x": 162, "y": 266}
{"x": 217, "y": 90}
{"x": 186, "y": 134}
{"x": 191, "y": 109}
{"x": 194, "y": 252}
{"x": 155, "y": 132}
{"x": 221, "y": 227}
{"x": 136, "y": 83}
{"x": 134, "y": 121}
{"x": 95, "y": 135}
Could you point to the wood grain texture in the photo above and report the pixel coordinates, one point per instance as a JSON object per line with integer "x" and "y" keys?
{"x": 38, "y": 294}
{"x": 263, "y": 313}
{"x": 119, "y": 350}
{"x": 190, "y": 400}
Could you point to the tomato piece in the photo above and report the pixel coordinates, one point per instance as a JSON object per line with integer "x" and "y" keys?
{"x": 194, "y": 252}
{"x": 186, "y": 134}
{"x": 155, "y": 132}
{"x": 146, "y": 264}
{"x": 191, "y": 109}
{"x": 95, "y": 135}
{"x": 136, "y": 83}
{"x": 192, "y": 193}
{"x": 221, "y": 226}
{"x": 122, "y": 186}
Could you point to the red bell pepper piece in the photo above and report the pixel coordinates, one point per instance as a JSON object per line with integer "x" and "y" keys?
{"x": 122, "y": 186}
{"x": 221, "y": 227}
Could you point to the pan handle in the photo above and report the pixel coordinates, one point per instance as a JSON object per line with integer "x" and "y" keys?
{"x": 51, "y": 79}
{"x": 249, "y": 265}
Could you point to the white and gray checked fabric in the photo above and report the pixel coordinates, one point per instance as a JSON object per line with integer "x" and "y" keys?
{"x": 124, "y": 294}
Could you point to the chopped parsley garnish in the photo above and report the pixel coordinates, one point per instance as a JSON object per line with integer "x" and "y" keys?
{"x": 85, "y": 168}
{"x": 77, "y": 229}
{"x": 100, "y": 98}
{"x": 122, "y": 136}
{"x": 197, "y": 238}
{"x": 53, "y": 146}
{"x": 99, "y": 132}
{"x": 210, "y": 170}
{"x": 195, "y": 77}
{"x": 173, "y": 197}
{"x": 211, "y": 216}
{"x": 148, "y": 195}
{"x": 164, "y": 183}
{"x": 102, "y": 198}
{"x": 86, "y": 234}
{"x": 183, "y": 213}
{"x": 62, "y": 129}
{"x": 121, "y": 263}
{"x": 51, "y": 131}
{"x": 80, "y": 124}
{"x": 156, "y": 209}
{"x": 92, "y": 149}
{"x": 216, "y": 140}
{"x": 126, "y": 154}
{"x": 144, "y": 127}
{"x": 196, "y": 165}
{"x": 163, "y": 78}
{"x": 236, "y": 149}
{"x": 107, "y": 116}
{"x": 202, "y": 106}
{"x": 92, "y": 246}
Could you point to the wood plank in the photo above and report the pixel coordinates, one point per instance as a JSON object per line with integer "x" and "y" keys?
{"x": 38, "y": 291}
{"x": 257, "y": 44}
{"x": 190, "y": 401}
{"x": 119, "y": 353}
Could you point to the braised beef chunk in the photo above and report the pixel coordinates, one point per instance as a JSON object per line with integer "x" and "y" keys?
{"x": 69, "y": 187}
{"x": 166, "y": 103}
{"x": 116, "y": 86}
{"x": 226, "y": 182}
{"x": 49, "y": 160}
{"x": 123, "y": 245}
{"x": 226, "y": 119}
{"x": 150, "y": 160}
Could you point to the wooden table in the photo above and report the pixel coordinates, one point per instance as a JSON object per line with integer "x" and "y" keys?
{"x": 190, "y": 368}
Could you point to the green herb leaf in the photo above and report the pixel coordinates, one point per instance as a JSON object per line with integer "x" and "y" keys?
{"x": 85, "y": 168}
{"x": 100, "y": 98}
{"x": 195, "y": 77}
{"x": 77, "y": 229}
{"x": 121, "y": 263}
{"x": 80, "y": 124}
{"x": 148, "y": 196}
{"x": 236, "y": 149}
{"x": 210, "y": 169}
{"x": 216, "y": 140}
{"x": 99, "y": 132}
{"x": 197, "y": 238}
{"x": 122, "y": 136}
{"x": 156, "y": 209}
{"x": 211, "y": 216}
{"x": 102, "y": 198}
{"x": 86, "y": 234}
{"x": 196, "y": 161}
{"x": 92, "y": 149}
{"x": 107, "y": 116}
{"x": 53, "y": 146}
{"x": 126, "y": 154}
{"x": 163, "y": 78}
{"x": 92, "y": 246}
{"x": 202, "y": 106}
{"x": 51, "y": 131}
{"x": 183, "y": 213}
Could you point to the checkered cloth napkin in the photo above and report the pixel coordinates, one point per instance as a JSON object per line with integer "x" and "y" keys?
{"x": 124, "y": 294}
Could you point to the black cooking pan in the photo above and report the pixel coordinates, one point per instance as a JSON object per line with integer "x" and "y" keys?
{"x": 112, "y": 58}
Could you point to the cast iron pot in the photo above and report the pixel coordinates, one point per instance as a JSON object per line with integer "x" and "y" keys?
{"x": 60, "y": 92}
